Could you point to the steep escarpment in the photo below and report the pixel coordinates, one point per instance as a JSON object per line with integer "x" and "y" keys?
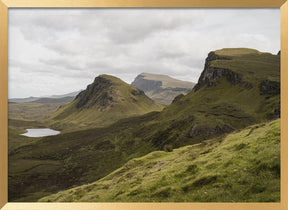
{"x": 96, "y": 94}
{"x": 145, "y": 84}
{"x": 210, "y": 112}
{"x": 161, "y": 88}
{"x": 240, "y": 66}
{"x": 238, "y": 87}
{"x": 211, "y": 75}
{"x": 105, "y": 101}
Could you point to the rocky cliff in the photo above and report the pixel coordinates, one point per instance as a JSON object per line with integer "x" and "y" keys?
{"x": 211, "y": 75}
{"x": 237, "y": 87}
{"x": 161, "y": 88}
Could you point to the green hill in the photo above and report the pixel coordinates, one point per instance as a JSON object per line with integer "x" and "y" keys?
{"x": 237, "y": 88}
{"x": 105, "y": 101}
{"x": 225, "y": 100}
{"x": 242, "y": 167}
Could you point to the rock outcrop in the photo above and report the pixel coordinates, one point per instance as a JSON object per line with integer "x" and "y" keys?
{"x": 145, "y": 84}
{"x": 210, "y": 75}
{"x": 161, "y": 88}
{"x": 96, "y": 93}
{"x": 269, "y": 87}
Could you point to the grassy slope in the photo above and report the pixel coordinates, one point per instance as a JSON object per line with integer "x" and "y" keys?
{"x": 253, "y": 65}
{"x": 241, "y": 167}
{"x": 125, "y": 104}
{"x": 223, "y": 104}
{"x": 164, "y": 97}
{"x": 88, "y": 155}
{"x": 81, "y": 157}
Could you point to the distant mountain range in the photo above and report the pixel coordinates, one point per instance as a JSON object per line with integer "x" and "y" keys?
{"x": 162, "y": 88}
{"x": 65, "y": 98}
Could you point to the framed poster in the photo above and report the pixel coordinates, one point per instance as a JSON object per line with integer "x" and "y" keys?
{"x": 133, "y": 104}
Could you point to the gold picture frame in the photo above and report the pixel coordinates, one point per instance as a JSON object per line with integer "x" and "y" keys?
{"x": 6, "y": 4}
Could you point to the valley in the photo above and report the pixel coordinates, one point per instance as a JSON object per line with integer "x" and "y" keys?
{"x": 117, "y": 144}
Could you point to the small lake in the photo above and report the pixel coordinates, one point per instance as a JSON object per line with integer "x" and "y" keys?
{"x": 40, "y": 132}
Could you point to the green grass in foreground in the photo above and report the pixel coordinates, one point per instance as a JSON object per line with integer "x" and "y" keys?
{"x": 88, "y": 155}
{"x": 242, "y": 167}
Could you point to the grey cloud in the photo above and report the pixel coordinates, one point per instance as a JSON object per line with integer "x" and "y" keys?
{"x": 27, "y": 68}
{"x": 192, "y": 62}
{"x": 120, "y": 26}
{"x": 63, "y": 63}
{"x": 135, "y": 27}
{"x": 98, "y": 65}
{"x": 71, "y": 47}
{"x": 62, "y": 49}
{"x": 170, "y": 55}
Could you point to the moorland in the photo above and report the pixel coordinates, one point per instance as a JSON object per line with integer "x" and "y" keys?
{"x": 158, "y": 139}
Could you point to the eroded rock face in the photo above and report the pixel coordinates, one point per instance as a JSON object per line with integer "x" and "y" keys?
{"x": 161, "y": 88}
{"x": 212, "y": 74}
{"x": 269, "y": 87}
{"x": 137, "y": 92}
{"x": 146, "y": 85}
{"x": 212, "y": 56}
{"x": 96, "y": 93}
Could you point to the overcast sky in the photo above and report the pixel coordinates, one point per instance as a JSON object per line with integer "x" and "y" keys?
{"x": 57, "y": 51}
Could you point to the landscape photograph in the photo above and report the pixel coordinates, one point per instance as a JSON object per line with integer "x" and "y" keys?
{"x": 144, "y": 105}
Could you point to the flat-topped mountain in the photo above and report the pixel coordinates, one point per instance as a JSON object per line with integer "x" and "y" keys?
{"x": 106, "y": 100}
{"x": 240, "y": 66}
{"x": 161, "y": 88}
{"x": 238, "y": 87}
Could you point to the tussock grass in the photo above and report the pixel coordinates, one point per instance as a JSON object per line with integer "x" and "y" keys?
{"x": 237, "y": 168}
{"x": 92, "y": 153}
